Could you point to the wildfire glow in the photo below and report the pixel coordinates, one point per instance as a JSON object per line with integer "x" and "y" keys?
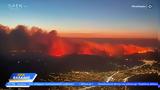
{"x": 61, "y": 47}
{"x": 23, "y": 39}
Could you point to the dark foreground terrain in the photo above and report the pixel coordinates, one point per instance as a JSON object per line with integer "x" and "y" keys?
{"x": 136, "y": 67}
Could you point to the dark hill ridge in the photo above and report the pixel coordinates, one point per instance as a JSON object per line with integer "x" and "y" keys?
{"x": 38, "y": 62}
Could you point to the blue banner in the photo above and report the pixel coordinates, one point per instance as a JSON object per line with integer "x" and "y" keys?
{"x": 28, "y": 84}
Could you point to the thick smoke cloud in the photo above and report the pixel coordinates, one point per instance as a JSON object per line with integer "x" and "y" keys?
{"x": 19, "y": 38}
{"x": 22, "y": 39}
{"x": 3, "y": 37}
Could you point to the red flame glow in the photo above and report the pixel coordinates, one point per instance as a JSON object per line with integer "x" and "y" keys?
{"x": 60, "y": 48}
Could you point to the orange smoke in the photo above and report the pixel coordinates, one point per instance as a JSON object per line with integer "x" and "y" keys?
{"x": 131, "y": 49}
{"x": 38, "y": 40}
{"x": 61, "y": 48}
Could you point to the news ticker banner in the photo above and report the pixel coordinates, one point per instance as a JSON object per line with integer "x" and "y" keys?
{"x": 28, "y": 84}
{"x": 26, "y": 80}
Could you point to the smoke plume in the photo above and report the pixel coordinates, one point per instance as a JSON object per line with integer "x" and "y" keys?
{"x": 36, "y": 39}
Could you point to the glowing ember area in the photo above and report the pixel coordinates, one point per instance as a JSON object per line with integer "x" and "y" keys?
{"x": 131, "y": 49}
{"x": 86, "y": 50}
{"x": 60, "y": 48}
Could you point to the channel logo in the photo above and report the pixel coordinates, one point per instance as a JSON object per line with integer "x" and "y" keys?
{"x": 22, "y": 77}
